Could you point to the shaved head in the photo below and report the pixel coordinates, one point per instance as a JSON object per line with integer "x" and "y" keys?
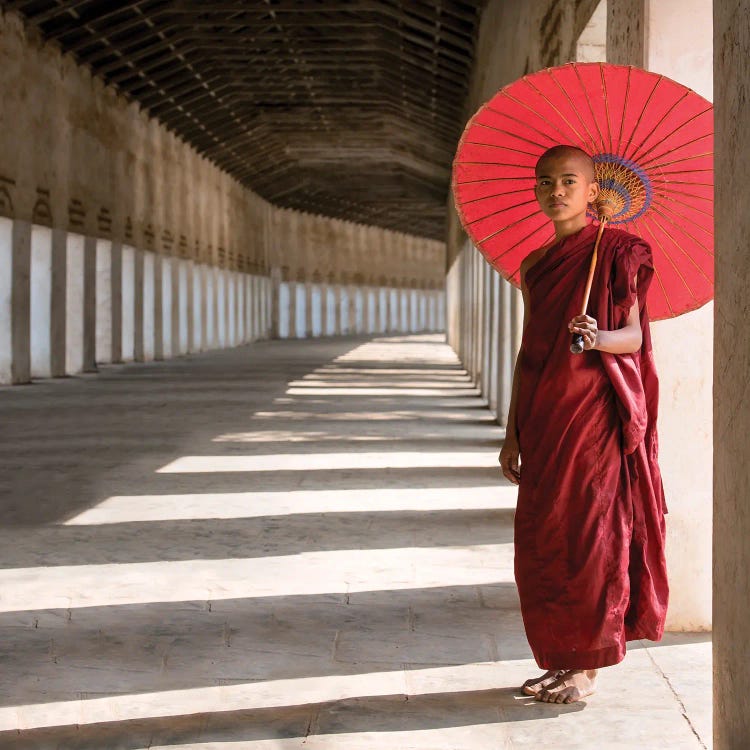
{"x": 569, "y": 152}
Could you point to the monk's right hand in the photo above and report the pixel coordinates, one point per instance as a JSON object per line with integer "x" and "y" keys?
{"x": 509, "y": 461}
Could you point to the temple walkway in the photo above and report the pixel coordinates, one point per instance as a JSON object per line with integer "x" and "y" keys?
{"x": 300, "y": 544}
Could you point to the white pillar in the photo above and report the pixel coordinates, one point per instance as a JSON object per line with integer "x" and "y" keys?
{"x": 149, "y": 306}
{"x": 15, "y": 301}
{"x": 300, "y": 309}
{"x": 58, "y": 302}
{"x": 198, "y": 310}
{"x": 41, "y": 302}
{"x": 103, "y": 300}
{"x": 184, "y": 288}
{"x": 116, "y": 296}
{"x": 211, "y": 326}
{"x": 359, "y": 309}
{"x": 239, "y": 281}
{"x": 74, "y": 304}
{"x": 128, "y": 304}
{"x": 316, "y": 310}
{"x": 167, "y": 309}
{"x": 231, "y": 306}
{"x": 138, "y": 304}
{"x": 679, "y": 44}
{"x": 284, "y": 309}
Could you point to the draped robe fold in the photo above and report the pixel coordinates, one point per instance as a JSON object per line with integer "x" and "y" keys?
{"x": 589, "y": 527}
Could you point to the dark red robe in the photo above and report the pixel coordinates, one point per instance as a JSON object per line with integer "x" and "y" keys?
{"x": 589, "y": 527}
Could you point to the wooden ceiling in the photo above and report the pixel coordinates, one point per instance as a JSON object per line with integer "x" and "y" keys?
{"x": 347, "y": 109}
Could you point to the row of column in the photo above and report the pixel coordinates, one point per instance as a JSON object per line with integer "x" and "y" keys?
{"x": 485, "y": 322}
{"x": 69, "y": 302}
{"x": 308, "y": 309}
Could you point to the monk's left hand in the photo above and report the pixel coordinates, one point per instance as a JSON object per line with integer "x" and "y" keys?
{"x": 587, "y": 327}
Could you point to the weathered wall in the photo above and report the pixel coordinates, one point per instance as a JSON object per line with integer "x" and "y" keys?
{"x": 626, "y": 32}
{"x": 315, "y": 248}
{"x": 732, "y": 366}
{"x": 76, "y": 155}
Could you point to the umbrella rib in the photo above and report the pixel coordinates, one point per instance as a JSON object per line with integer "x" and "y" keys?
{"x": 644, "y": 109}
{"x": 664, "y": 203}
{"x": 664, "y": 192}
{"x": 683, "y": 159}
{"x": 494, "y": 164}
{"x": 636, "y": 154}
{"x": 552, "y": 106}
{"x": 591, "y": 109}
{"x": 485, "y": 197}
{"x": 708, "y": 250}
{"x": 486, "y": 179}
{"x": 565, "y": 93}
{"x": 677, "y": 268}
{"x": 496, "y": 145}
{"x": 606, "y": 106}
{"x": 656, "y": 271}
{"x": 507, "y": 132}
{"x": 507, "y": 226}
{"x": 500, "y": 211}
{"x": 515, "y": 119}
{"x": 673, "y": 131}
{"x": 647, "y": 164}
{"x": 624, "y": 106}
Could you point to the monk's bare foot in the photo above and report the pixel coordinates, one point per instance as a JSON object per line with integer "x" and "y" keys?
{"x": 534, "y": 685}
{"x": 572, "y": 686}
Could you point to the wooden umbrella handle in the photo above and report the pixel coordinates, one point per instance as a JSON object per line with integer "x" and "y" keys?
{"x": 576, "y": 343}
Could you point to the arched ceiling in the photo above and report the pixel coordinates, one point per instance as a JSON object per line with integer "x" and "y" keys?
{"x": 348, "y": 109}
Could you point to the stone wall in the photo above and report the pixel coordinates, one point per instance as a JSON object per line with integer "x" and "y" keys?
{"x": 732, "y": 365}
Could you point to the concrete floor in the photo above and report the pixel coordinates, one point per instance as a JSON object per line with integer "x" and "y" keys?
{"x": 286, "y": 545}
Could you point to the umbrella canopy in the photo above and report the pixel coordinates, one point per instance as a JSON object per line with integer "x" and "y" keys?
{"x": 652, "y": 143}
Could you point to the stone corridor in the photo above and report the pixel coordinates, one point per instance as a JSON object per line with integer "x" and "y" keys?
{"x": 285, "y": 545}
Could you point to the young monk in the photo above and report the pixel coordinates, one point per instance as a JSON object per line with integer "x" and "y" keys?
{"x": 589, "y": 527}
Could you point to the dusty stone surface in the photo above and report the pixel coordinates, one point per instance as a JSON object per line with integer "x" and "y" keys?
{"x": 304, "y": 603}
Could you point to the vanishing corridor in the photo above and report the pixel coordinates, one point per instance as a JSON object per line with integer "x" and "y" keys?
{"x": 285, "y": 545}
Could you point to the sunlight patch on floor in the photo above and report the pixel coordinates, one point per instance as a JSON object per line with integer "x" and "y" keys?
{"x": 333, "y": 462}
{"x": 141, "y": 508}
{"x": 303, "y": 574}
{"x": 266, "y": 694}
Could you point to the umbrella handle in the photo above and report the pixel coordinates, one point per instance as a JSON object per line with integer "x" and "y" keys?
{"x": 576, "y": 343}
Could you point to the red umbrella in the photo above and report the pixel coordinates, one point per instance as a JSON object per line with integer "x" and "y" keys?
{"x": 652, "y": 142}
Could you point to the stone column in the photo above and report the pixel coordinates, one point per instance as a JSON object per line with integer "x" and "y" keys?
{"x": 89, "y": 304}
{"x": 309, "y": 310}
{"x": 58, "y": 302}
{"x": 74, "y": 304}
{"x": 504, "y": 374}
{"x": 139, "y": 305}
{"x": 731, "y": 451}
{"x": 15, "y": 301}
{"x": 209, "y": 308}
{"x": 185, "y": 299}
{"x": 116, "y": 297}
{"x": 103, "y": 301}
{"x": 151, "y": 306}
{"x": 128, "y": 280}
{"x": 41, "y": 302}
{"x": 175, "y": 305}
{"x": 493, "y": 365}
{"x": 158, "y": 312}
{"x": 240, "y": 308}
{"x": 678, "y": 43}
{"x": 353, "y": 292}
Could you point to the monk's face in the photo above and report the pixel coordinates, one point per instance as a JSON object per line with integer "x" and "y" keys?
{"x": 565, "y": 186}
